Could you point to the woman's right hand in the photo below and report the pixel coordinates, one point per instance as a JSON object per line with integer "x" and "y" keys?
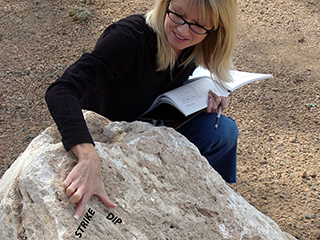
{"x": 214, "y": 101}
{"x": 85, "y": 179}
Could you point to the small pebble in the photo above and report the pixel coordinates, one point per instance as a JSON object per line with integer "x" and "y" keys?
{"x": 309, "y": 216}
{"x": 305, "y": 174}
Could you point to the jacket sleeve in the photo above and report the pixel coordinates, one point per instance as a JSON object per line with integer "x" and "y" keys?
{"x": 113, "y": 56}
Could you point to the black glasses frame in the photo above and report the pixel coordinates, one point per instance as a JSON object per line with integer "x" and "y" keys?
{"x": 168, "y": 11}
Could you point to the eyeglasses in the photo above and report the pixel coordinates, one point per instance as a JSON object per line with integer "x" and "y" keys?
{"x": 196, "y": 28}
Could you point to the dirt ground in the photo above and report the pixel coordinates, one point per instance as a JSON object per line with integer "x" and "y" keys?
{"x": 278, "y": 119}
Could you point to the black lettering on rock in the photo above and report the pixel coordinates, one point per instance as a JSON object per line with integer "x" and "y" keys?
{"x": 88, "y": 217}
{"x": 118, "y": 221}
{"x": 114, "y": 219}
{"x": 85, "y": 222}
{"x": 91, "y": 211}
{"x": 78, "y": 234}
{"x": 79, "y": 228}
{"x": 110, "y": 216}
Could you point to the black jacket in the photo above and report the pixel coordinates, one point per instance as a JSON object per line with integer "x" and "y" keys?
{"x": 117, "y": 80}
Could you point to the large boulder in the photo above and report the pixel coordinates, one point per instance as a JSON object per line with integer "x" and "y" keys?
{"x": 163, "y": 188}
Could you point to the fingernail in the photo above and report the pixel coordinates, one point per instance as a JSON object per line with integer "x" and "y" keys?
{"x": 76, "y": 216}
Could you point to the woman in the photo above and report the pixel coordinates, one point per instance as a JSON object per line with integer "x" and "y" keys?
{"x": 134, "y": 61}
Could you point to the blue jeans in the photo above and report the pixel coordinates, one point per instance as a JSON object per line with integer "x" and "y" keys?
{"x": 219, "y": 145}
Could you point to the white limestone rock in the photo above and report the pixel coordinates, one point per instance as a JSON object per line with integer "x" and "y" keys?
{"x": 163, "y": 188}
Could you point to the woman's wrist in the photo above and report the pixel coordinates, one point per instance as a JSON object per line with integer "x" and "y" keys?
{"x": 83, "y": 150}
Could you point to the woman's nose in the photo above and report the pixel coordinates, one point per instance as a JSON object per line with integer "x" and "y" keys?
{"x": 183, "y": 29}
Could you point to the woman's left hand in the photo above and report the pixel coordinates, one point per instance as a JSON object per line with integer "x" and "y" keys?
{"x": 214, "y": 101}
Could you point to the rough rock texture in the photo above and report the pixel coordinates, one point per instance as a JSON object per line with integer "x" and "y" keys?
{"x": 163, "y": 188}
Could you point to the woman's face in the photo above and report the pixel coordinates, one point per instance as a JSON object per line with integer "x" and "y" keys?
{"x": 181, "y": 36}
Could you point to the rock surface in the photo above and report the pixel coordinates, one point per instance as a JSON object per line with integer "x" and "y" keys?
{"x": 163, "y": 188}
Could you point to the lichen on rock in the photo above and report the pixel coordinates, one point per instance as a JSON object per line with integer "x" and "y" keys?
{"x": 79, "y": 14}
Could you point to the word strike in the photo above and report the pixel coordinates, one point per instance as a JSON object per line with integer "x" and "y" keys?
{"x": 85, "y": 222}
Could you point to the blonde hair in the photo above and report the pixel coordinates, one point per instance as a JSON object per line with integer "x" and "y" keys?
{"x": 214, "y": 51}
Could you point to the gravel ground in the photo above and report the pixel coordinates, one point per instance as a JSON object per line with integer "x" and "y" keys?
{"x": 278, "y": 119}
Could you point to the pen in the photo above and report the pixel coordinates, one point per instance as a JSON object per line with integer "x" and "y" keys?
{"x": 218, "y": 117}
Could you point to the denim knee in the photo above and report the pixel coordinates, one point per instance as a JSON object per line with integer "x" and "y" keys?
{"x": 223, "y": 138}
